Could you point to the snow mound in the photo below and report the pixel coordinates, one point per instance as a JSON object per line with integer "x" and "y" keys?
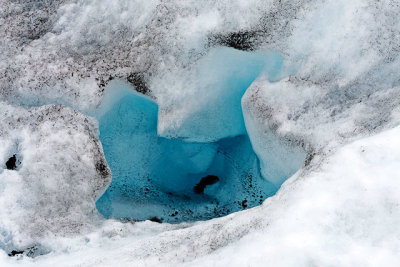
{"x": 58, "y": 173}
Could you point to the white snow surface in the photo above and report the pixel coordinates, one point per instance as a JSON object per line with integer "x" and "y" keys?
{"x": 62, "y": 172}
{"x": 342, "y": 213}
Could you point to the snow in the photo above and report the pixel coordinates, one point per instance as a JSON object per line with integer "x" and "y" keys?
{"x": 306, "y": 89}
{"x": 342, "y": 212}
{"x": 62, "y": 173}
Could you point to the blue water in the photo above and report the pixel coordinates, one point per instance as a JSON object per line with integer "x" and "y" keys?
{"x": 155, "y": 177}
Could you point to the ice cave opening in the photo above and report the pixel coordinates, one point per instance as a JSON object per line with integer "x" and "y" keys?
{"x": 184, "y": 177}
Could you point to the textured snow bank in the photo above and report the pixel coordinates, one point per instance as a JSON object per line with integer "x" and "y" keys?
{"x": 346, "y": 50}
{"x": 59, "y": 174}
{"x": 343, "y": 212}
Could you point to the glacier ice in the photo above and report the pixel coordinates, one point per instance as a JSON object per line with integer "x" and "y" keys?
{"x": 158, "y": 157}
{"x": 208, "y": 107}
{"x": 315, "y": 92}
{"x": 155, "y": 177}
{"x": 280, "y": 156}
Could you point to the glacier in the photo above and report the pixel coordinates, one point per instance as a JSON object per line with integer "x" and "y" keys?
{"x": 199, "y": 133}
{"x": 211, "y": 141}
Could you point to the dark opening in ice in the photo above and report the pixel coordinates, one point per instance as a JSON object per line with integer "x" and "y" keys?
{"x": 11, "y": 163}
{"x": 208, "y": 180}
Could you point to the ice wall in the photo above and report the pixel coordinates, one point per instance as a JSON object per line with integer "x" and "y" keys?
{"x": 205, "y": 105}
{"x": 280, "y": 156}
